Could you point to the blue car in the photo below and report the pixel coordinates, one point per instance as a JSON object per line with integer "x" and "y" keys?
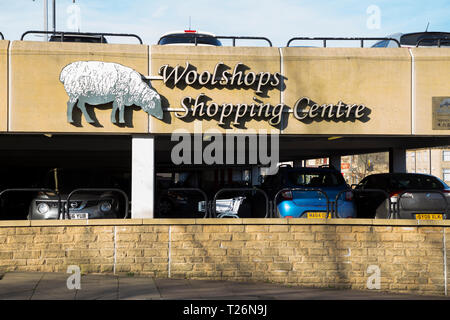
{"x": 320, "y": 183}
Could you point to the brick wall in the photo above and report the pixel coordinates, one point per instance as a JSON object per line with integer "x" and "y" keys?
{"x": 310, "y": 253}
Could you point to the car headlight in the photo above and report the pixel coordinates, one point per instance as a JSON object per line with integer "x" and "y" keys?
{"x": 105, "y": 206}
{"x": 42, "y": 208}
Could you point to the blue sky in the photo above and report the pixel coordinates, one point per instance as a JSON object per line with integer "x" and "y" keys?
{"x": 277, "y": 20}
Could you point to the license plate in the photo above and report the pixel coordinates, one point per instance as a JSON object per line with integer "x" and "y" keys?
{"x": 317, "y": 215}
{"x": 79, "y": 215}
{"x": 428, "y": 216}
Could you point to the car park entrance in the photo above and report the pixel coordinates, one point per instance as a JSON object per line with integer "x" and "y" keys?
{"x": 108, "y": 119}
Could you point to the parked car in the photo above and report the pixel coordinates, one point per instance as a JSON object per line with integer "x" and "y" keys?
{"x": 422, "y": 196}
{"x": 427, "y": 39}
{"x": 82, "y": 205}
{"x": 189, "y": 37}
{"x": 310, "y": 204}
{"x": 78, "y": 38}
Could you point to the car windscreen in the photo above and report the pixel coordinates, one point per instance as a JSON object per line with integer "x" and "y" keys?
{"x": 381, "y": 44}
{"x": 402, "y": 182}
{"x": 315, "y": 179}
{"x": 425, "y": 38}
{"x": 189, "y": 38}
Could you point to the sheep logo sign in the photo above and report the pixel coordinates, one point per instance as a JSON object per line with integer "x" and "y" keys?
{"x": 97, "y": 83}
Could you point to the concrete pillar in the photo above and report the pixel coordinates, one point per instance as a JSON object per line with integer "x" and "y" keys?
{"x": 397, "y": 160}
{"x": 142, "y": 176}
{"x": 255, "y": 176}
{"x": 335, "y": 161}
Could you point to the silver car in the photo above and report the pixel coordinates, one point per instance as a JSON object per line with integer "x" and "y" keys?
{"x": 98, "y": 198}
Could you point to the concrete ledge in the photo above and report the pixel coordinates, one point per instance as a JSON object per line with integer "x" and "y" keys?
{"x": 219, "y": 221}
{"x": 15, "y": 223}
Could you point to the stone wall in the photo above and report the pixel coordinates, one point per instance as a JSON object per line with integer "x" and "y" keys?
{"x": 409, "y": 255}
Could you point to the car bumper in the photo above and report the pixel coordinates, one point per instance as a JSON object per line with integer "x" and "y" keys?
{"x": 346, "y": 209}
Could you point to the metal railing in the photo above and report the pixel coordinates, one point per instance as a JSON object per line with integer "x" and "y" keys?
{"x": 66, "y": 207}
{"x": 36, "y": 190}
{"x": 207, "y": 204}
{"x": 325, "y": 39}
{"x": 301, "y": 189}
{"x": 101, "y": 34}
{"x": 391, "y": 212}
{"x": 401, "y": 195}
{"x": 267, "y": 203}
{"x": 439, "y": 41}
{"x": 1, "y": 36}
{"x": 234, "y": 38}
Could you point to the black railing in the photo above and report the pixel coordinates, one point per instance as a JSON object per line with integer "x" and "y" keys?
{"x": 1, "y": 36}
{"x": 36, "y": 190}
{"x": 439, "y": 41}
{"x": 66, "y": 207}
{"x": 92, "y": 34}
{"x": 207, "y": 209}
{"x": 325, "y": 39}
{"x": 234, "y": 38}
{"x": 267, "y": 204}
{"x": 301, "y": 189}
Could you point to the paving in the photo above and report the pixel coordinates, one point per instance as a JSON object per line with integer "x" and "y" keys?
{"x": 53, "y": 286}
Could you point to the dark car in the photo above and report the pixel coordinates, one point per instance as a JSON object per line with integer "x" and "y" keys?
{"x": 78, "y": 38}
{"x": 422, "y": 39}
{"x": 310, "y": 204}
{"x": 189, "y": 37}
{"x": 411, "y": 195}
{"x": 82, "y": 205}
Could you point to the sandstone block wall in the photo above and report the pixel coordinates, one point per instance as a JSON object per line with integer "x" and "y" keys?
{"x": 409, "y": 256}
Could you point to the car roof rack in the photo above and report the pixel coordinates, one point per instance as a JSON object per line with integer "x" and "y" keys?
{"x": 325, "y": 39}
{"x": 63, "y": 34}
{"x": 1, "y": 36}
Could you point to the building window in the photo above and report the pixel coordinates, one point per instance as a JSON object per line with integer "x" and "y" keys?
{"x": 446, "y": 155}
{"x": 446, "y": 174}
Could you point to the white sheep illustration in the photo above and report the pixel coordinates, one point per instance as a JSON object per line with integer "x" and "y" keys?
{"x": 96, "y": 82}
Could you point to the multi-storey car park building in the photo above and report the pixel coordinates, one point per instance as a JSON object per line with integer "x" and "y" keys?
{"x": 59, "y": 110}
{"x": 139, "y": 115}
